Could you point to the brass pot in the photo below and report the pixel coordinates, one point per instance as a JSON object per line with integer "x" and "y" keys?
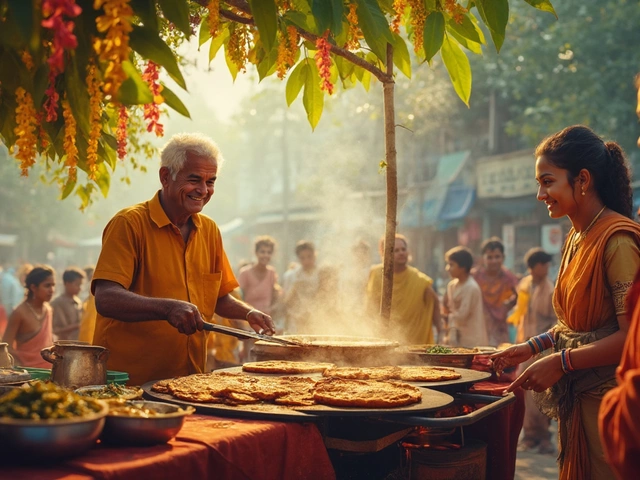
{"x": 77, "y": 365}
{"x": 6, "y": 360}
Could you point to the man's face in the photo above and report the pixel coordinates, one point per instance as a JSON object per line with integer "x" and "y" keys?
{"x": 540, "y": 270}
{"x": 193, "y": 187}
{"x": 638, "y": 112}
{"x": 493, "y": 260}
{"x": 400, "y": 253}
{"x": 73, "y": 288}
{"x": 263, "y": 254}
{"x": 307, "y": 259}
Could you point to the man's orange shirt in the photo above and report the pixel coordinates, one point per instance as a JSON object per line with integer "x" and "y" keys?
{"x": 146, "y": 254}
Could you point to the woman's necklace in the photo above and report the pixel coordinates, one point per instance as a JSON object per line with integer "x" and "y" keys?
{"x": 40, "y": 316}
{"x": 577, "y": 238}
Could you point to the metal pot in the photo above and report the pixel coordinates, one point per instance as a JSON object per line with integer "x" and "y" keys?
{"x": 77, "y": 365}
{"x": 341, "y": 350}
{"x": 6, "y": 360}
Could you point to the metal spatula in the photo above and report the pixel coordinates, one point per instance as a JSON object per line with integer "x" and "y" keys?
{"x": 246, "y": 335}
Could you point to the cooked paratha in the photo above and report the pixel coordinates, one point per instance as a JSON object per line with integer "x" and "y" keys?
{"x": 427, "y": 374}
{"x": 287, "y": 367}
{"x": 162, "y": 386}
{"x": 363, "y": 373}
{"x": 341, "y": 392}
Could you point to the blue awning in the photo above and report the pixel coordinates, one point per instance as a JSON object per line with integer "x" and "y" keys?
{"x": 458, "y": 202}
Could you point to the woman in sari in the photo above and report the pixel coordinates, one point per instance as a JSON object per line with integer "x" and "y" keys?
{"x": 582, "y": 177}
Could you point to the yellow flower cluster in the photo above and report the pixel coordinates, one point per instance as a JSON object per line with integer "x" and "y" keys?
{"x": 354, "y": 33}
{"x": 27, "y": 60}
{"x": 287, "y": 49}
{"x": 457, "y": 11}
{"x": 399, "y": 6}
{"x": 25, "y": 130}
{"x": 214, "y": 17}
{"x": 418, "y": 17}
{"x": 283, "y": 5}
{"x": 95, "y": 124}
{"x": 70, "y": 148}
{"x": 114, "y": 47}
{"x": 237, "y": 46}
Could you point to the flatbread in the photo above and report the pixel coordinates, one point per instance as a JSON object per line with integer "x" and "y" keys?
{"x": 427, "y": 374}
{"x": 162, "y": 386}
{"x": 363, "y": 373}
{"x": 340, "y": 392}
{"x": 286, "y": 367}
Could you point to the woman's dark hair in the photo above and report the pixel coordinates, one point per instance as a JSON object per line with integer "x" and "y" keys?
{"x": 578, "y": 147}
{"x": 36, "y": 276}
{"x": 462, "y": 256}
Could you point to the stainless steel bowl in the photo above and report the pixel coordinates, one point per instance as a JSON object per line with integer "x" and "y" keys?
{"x": 103, "y": 393}
{"x": 160, "y": 428}
{"x": 50, "y": 439}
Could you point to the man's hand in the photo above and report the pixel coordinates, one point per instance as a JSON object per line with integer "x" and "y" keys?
{"x": 261, "y": 322}
{"x": 185, "y": 317}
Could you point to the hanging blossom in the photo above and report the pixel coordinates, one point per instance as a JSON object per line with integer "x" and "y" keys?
{"x": 399, "y": 6}
{"x": 54, "y": 13}
{"x": 323, "y": 61}
{"x": 25, "y": 130}
{"x": 152, "y": 110}
{"x": 456, "y": 10}
{"x": 418, "y": 18}
{"x": 121, "y": 132}
{"x": 95, "y": 124}
{"x": 237, "y": 46}
{"x": 214, "y": 17}
{"x": 70, "y": 147}
{"x": 114, "y": 48}
{"x": 42, "y": 134}
{"x": 27, "y": 60}
{"x": 354, "y": 33}
{"x": 287, "y": 49}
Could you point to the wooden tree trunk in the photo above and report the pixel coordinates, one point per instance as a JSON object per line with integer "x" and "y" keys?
{"x": 392, "y": 189}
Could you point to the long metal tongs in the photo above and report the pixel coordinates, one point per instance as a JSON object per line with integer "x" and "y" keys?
{"x": 246, "y": 335}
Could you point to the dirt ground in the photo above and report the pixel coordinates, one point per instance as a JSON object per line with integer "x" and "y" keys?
{"x": 531, "y": 465}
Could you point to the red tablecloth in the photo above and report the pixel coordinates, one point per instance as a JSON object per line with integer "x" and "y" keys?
{"x": 206, "y": 447}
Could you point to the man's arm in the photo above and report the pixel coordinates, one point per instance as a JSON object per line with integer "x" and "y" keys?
{"x": 115, "y": 301}
{"x": 232, "y": 308}
{"x": 429, "y": 292}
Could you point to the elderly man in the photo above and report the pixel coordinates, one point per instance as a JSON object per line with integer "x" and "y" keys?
{"x": 163, "y": 271}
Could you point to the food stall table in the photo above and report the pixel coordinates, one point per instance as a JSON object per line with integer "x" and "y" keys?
{"x": 223, "y": 447}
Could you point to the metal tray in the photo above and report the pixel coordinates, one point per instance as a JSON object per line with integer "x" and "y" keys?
{"x": 431, "y": 400}
{"x": 468, "y": 377}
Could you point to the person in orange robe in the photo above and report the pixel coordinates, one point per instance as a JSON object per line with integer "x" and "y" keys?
{"x": 619, "y": 418}
{"x": 30, "y": 325}
{"x": 586, "y": 179}
{"x": 163, "y": 271}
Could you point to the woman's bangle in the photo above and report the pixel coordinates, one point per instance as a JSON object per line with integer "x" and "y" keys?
{"x": 565, "y": 359}
{"x": 541, "y": 342}
{"x": 249, "y": 313}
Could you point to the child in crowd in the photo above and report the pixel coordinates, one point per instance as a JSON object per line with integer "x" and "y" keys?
{"x": 463, "y": 301}
{"x": 67, "y": 307}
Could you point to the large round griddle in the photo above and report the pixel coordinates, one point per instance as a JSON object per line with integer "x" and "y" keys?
{"x": 431, "y": 400}
{"x": 468, "y": 377}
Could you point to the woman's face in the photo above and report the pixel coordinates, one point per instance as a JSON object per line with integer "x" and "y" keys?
{"x": 44, "y": 291}
{"x": 554, "y": 189}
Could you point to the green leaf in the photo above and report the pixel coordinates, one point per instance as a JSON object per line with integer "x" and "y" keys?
{"x": 205, "y": 32}
{"x": 344, "y": 66}
{"x": 313, "y": 96}
{"x": 375, "y": 27}
{"x": 217, "y": 42}
{"x": 77, "y": 95}
{"x": 268, "y": 64}
{"x": 297, "y": 78}
{"x": 172, "y": 100}
{"x": 69, "y": 186}
{"x": 468, "y": 44}
{"x": 466, "y": 29}
{"x": 147, "y": 43}
{"x": 328, "y": 15}
{"x": 146, "y": 10}
{"x": 433, "y": 34}
{"x": 177, "y": 12}
{"x": 495, "y": 14}
{"x": 401, "y": 57}
{"x": 266, "y": 17}
{"x": 233, "y": 69}
{"x": 544, "y": 5}
{"x": 103, "y": 179}
{"x": 22, "y": 12}
{"x": 134, "y": 90}
{"x": 301, "y": 20}
{"x": 458, "y": 67}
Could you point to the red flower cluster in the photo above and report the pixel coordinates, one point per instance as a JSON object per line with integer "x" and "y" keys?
{"x": 151, "y": 110}
{"x": 323, "y": 61}
{"x": 54, "y": 12}
{"x": 121, "y": 132}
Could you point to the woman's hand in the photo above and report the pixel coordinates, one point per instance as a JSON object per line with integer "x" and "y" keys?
{"x": 511, "y": 357}
{"x": 540, "y": 375}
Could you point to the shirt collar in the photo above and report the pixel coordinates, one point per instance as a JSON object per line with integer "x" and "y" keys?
{"x": 159, "y": 216}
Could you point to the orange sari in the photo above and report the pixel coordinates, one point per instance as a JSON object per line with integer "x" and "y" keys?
{"x": 585, "y": 305}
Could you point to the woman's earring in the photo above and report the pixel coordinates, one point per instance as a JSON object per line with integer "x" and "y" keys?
{"x": 583, "y": 194}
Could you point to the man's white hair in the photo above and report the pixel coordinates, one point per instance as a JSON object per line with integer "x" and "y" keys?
{"x": 174, "y": 153}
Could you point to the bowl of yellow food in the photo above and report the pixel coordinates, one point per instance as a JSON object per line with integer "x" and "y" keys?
{"x": 111, "y": 391}
{"x": 142, "y": 422}
{"x": 44, "y": 422}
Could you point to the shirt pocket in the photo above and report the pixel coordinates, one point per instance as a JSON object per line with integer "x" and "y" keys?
{"x": 211, "y": 288}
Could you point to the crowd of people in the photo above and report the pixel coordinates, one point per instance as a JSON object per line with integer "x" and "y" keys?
{"x": 163, "y": 273}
